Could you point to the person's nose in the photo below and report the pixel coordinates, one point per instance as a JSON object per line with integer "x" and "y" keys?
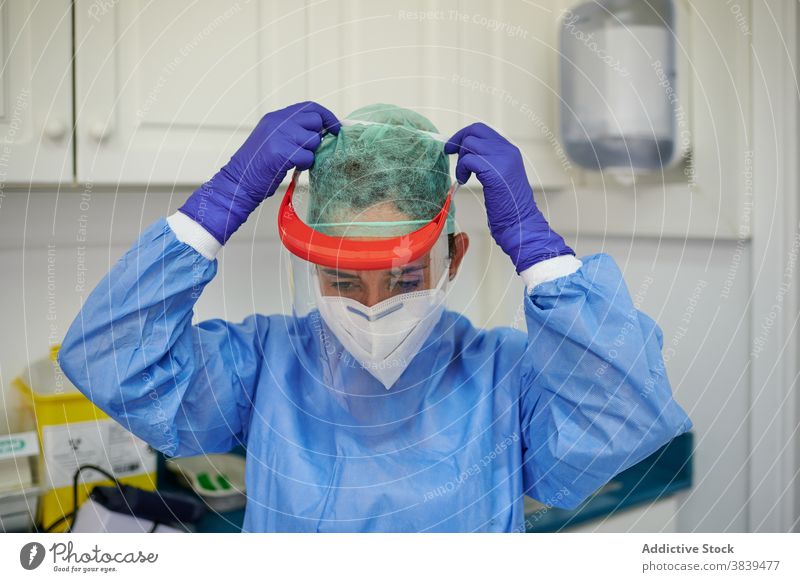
{"x": 375, "y": 294}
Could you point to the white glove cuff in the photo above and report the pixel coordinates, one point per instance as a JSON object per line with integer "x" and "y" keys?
{"x": 549, "y": 270}
{"x": 191, "y": 233}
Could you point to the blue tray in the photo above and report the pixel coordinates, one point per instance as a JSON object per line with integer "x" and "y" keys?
{"x": 663, "y": 473}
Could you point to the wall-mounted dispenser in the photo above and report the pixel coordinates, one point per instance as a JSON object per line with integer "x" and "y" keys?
{"x": 620, "y": 106}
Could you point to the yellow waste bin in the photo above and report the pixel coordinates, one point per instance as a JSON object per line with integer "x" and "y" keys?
{"x": 73, "y": 432}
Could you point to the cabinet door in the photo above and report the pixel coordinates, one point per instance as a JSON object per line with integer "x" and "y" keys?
{"x": 167, "y": 91}
{"x": 401, "y": 53}
{"x": 455, "y": 61}
{"x": 508, "y": 79}
{"x": 35, "y": 92}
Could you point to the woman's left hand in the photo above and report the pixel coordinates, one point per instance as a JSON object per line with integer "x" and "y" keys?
{"x": 516, "y": 224}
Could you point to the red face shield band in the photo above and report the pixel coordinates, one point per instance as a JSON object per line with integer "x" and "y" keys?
{"x": 355, "y": 253}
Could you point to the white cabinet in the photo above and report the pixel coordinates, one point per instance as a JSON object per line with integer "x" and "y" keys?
{"x": 381, "y": 51}
{"x": 165, "y": 94}
{"x": 35, "y": 92}
{"x": 455, "y": 61}
{"x": 507, "y": 78}
{"x": 167, "y": 91}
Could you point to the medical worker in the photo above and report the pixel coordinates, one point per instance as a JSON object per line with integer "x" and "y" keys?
{"x": 372, "y": 407}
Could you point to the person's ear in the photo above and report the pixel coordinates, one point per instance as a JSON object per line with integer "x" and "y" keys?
{"x": 460, "y": 246}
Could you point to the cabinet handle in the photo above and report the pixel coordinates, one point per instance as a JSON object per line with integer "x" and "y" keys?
{"x": 55, "y": 130}
{"x": 99, "y": 131}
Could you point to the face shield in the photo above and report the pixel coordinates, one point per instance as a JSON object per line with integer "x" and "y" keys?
{"x": 367, "y": 291}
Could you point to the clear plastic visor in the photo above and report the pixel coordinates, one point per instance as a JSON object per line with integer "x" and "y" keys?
{"x": 369, "y": 287}
{"x": 366, "y": 286}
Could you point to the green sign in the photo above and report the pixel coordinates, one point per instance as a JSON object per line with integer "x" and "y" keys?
{"x": 11, "y": 445}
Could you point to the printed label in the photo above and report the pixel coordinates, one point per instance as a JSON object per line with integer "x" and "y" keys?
{"x": 104, "y": 443}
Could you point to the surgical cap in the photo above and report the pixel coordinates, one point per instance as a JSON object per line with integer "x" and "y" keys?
{"x": 394, "y": 156}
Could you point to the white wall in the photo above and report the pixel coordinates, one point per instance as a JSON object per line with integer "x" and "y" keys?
{"x": 39, "y": 231}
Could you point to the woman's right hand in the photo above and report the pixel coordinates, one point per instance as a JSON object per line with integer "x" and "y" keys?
{"x": 282, "y": 140}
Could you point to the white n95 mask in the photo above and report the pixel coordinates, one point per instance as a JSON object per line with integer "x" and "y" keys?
{"x": 384, "y": 338}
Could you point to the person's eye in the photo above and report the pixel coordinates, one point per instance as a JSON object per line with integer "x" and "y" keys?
{"x": 343, "y": 285}
{"x": 408, "y": 284}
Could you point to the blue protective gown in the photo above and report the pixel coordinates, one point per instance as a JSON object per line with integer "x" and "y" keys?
{"x": 479, "y": 418}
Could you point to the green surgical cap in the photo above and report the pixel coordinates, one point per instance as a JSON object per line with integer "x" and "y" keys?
{"x": 394, "y": 156}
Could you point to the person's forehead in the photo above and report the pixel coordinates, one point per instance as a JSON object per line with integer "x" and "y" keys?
{"x": 421, "y": 264}
{"x": 357, "y": 225}
{"x": 383, "y": 210}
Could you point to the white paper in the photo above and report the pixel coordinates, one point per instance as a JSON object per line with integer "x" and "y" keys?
{"x": 104, "y": 443}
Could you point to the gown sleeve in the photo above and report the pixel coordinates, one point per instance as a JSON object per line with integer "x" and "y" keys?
{"x": 184, "y": 389}
{"x": 595, "y": 398}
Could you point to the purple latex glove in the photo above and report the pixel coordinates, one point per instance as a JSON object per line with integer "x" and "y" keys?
{"x": 516, "y": 224}
{"x": 282, "y": 140}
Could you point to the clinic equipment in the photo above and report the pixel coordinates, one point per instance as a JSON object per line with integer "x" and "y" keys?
{"x": 72, "y": 431}
{"x": 19, "y": 482}
{"x": 217, "y": 479}
{"x": 618, "y": 85}
{"x": 121, "y": 508}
